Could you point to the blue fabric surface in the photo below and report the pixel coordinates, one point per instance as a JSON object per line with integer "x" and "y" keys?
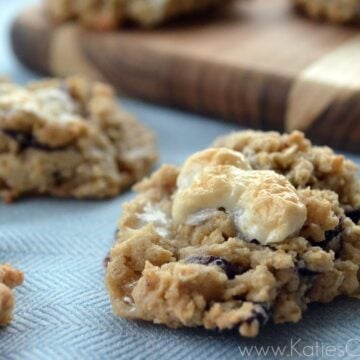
{"x": 63, "y": 311}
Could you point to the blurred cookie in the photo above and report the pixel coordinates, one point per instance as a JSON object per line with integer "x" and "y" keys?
{"x": 337, "y": 11}
{"x": 110, "y": 14}
{"x": 69, "y": 138}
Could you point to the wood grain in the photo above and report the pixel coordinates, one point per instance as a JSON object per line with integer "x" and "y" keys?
{"x": 239, "y": 65}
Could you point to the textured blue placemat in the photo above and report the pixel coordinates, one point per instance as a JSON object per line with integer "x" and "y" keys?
{"x": 63, "y": 310}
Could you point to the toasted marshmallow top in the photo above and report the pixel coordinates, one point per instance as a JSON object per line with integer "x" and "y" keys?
{"x": 49, "y": 104}
{"x": 50, "y": 114}
{"x": 264, "y": 205}
{"x": 196, "y": 163}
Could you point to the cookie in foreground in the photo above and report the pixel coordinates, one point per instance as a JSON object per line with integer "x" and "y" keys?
{"x": 110, "y": 14}
{"x": 69, "y": 138}
{"x": 232, "y": 240}
{"x": 9, "y": 278}
{"x": 337, "y": 11}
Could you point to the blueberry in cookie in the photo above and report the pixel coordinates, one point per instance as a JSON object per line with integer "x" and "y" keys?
{"x": 69, "y": 138}
{"x": 249, "y": 231}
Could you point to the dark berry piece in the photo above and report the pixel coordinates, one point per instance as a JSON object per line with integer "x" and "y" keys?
{"x": 260, "y": 312}
{"x": 304, "y": 271}
{"x": 307, "y": 272}
{"x": 254, "y": 241}
{"x": 354, "y": 215}
{"x": 26, "y": 140}
{"x": 106, "y": 260}
{"x": 58, "y": 178}
{"x": 231, "y": 270}
{"x": 333, "y": 238}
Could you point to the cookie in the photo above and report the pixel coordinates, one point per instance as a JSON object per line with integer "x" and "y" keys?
{"x": 110, "y": 14}
{"x": 337, "y": 11}
{"x": 239, "y": 236}
{"x": 303, "y": 164}
{"x": 69, "y": 138}
{"x": 9, "y": 278}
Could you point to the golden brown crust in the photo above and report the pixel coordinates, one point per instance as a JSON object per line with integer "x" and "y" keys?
{"x": 9, "y": 278}
{"x": 303, "y": 164}
{"x": 158, "y": 267}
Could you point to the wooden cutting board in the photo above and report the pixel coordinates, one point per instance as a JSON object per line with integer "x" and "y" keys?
{"x": 257, "y": 62}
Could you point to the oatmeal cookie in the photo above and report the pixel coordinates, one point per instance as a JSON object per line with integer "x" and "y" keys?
{"x": 69, "y": 138}
{"x": 9, "y": 278}
{"x": 337, "y": 11}
{"x": 110, "y": 14}
{"x": 303, "y": 164}
{"x": 225, "y": 243}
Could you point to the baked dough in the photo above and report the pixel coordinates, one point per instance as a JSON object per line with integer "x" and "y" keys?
{"x": 9, "y": 278}
{"x": 69, "y": 138}
{"x": 204, "y": 271}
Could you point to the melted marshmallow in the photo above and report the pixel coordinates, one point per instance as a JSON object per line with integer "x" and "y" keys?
{"x": 263, "y": 204}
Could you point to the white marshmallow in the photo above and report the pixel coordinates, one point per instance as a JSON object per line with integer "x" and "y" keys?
{"x": 264, "y": 205}
{"x": 201, "y": 159}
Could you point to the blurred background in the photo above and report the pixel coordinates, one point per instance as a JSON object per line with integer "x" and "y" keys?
{"x": 260, "y": 64}
{"x": 170, "y": 125}
{"x": 190, "y": 81}
{"x": 8, "y": 65}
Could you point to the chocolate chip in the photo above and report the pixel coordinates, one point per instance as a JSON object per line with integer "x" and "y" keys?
{"x": 354, "y": 215}
{"x": 26, "y": 140}
{"x": 230, "y": 269}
